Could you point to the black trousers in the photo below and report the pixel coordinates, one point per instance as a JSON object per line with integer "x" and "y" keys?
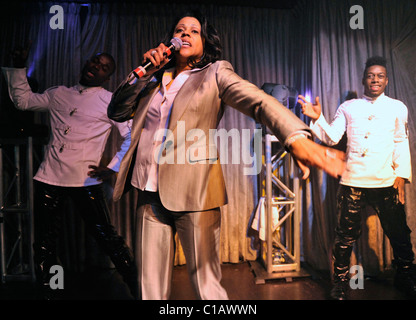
{"x": 90, "y": 202}
{"x": 350, "y": 202}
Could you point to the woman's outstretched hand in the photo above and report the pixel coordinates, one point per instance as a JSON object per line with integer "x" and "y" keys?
{"x": 308, "y": 153}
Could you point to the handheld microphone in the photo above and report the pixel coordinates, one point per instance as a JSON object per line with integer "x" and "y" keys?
{"x": 175, "y": 45}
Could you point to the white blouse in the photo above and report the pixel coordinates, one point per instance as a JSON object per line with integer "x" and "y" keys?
{"x": 145, "y": 174}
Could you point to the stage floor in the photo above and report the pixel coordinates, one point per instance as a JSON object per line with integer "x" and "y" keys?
{"x": 238, "y": 280}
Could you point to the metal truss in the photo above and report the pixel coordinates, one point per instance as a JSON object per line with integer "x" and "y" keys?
{"x": 279, "y": 192}
{"x": 16, "y": 209}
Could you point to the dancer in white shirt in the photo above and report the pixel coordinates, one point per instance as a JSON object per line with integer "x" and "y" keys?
{"x": 79, "y": 128}
{"x": 378, "y": 166}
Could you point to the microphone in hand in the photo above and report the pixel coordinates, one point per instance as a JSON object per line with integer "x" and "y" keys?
{"x": 174, "y": 45}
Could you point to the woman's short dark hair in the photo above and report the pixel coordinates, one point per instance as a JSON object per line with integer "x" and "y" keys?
{"x": 212, "y": 47}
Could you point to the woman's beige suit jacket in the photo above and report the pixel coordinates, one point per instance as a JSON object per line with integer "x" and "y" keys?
{"x": 191, "y": 179}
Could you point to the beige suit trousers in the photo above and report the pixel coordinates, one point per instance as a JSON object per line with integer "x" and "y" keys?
{"x": 199, "y": 233}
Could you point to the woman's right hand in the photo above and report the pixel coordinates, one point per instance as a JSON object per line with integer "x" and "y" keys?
{"x": 157, "y": 56}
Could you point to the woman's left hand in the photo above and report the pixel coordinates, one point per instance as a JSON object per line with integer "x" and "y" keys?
{"x": 308, "y": 153}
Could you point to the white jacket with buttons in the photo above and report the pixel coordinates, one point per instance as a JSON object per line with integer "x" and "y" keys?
{"x": 79, "y": 128}
{"x": 378, "y": 145}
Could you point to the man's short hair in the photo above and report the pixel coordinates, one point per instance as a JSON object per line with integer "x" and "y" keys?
{"x": 111, "y": 58}
{"x": 375, "y": 61}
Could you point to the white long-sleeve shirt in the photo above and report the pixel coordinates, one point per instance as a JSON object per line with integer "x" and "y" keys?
{"x": 79, "y": 128}
{"x": 378, "y": 145}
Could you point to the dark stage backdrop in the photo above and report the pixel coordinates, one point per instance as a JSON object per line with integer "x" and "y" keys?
{"x": 310, "y": 47}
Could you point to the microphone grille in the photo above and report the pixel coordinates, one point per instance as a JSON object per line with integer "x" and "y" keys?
{"x": 177, "y": 43}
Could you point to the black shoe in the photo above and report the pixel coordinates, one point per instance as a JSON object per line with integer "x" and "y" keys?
{"x": 405, "y": 280}
{"x": 339, "y": 290}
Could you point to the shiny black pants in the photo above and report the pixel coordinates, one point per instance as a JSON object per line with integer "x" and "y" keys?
{"x": 90, "y": 202}
{"x": 350, "y": 202}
